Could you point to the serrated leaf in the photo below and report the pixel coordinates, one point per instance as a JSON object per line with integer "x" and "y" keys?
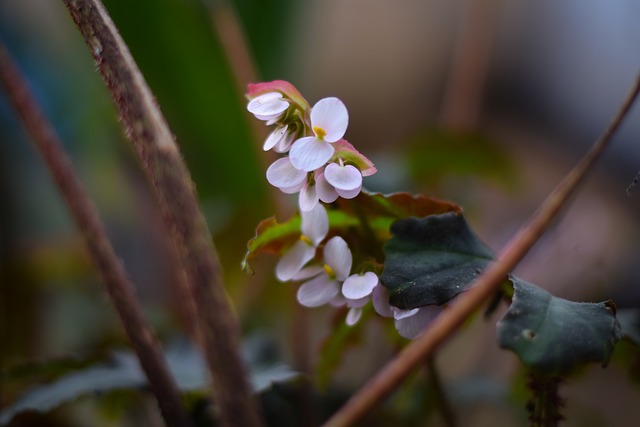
{"x": 378, "y": 210}
{"x": 431, "y": 260}
{"x": 552, "y": 335}
{"x": 123, "y": 371}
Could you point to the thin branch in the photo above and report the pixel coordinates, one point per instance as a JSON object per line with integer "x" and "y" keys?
{"x": 118, "y": 285}
{"x": 469, "y": 65}
{"x": 161, "y": 159}
{"x": 449, "y": 320}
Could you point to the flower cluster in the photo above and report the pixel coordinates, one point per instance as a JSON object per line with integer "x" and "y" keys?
{"x": 320, "y": 166}
{"x": 318, "y": 163}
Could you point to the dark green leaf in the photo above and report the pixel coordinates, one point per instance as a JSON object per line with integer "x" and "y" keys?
{"x": 552, "y": 335}
{"x": 431, "y": 260}
{"x": 123, "y": 372}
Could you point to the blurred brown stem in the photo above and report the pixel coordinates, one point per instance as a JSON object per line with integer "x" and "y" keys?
{"x": 118, "y": 285}
{"x": 469, "y": 66}
{"x": 391, "y": 375}
{"x": 161, "y": 159}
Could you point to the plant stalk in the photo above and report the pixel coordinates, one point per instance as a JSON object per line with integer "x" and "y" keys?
{"x": 545, "y": 407}
{"x": 114, "y": 277}
{"x": 163, "y": 164}
{"x": 392, "y": 374}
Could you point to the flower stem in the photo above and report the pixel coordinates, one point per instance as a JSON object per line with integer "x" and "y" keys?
{"x": 163, "y": 164}
{"x": 387, "y": 379}
{"x": 117, "y": 284}
{"x": 545, "y": 405}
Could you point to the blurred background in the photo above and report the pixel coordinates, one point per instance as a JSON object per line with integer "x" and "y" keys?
{"x": 486, "y": 103}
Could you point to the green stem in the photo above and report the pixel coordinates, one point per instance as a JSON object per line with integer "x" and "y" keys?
{"x": 165, "y": 169}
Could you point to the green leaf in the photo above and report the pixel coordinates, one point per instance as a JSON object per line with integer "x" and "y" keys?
{"x": 371, "y": 211}
{"x": 552, "y": 335}
{"x": 431, "y": 260}
{"x": 123, "y": 372}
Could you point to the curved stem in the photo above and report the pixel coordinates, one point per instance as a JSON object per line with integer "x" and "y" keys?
{"x": 117, "y": 284}
{"x": 485, "y": 285}
{"x": 165, "y": 169}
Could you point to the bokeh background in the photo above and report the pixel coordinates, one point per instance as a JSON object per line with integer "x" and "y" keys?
{"x": 486, "y": 103}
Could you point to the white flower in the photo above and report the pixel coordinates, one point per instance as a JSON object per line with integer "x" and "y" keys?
{"x": 283, "y": 175}
{"x": 322, "y": 288}
{"x": 314, "y": 228}
{"x": 308, "y": 197}
{"x": 268, "y": 107}
{"x": 355, "y": 307}
{"x": 409, "y": 323}
{"x": 280, "y": 140}
{"x": 329, "y": 120}
{"x": 358, "y": 286}
{"x": 339, "y": 180}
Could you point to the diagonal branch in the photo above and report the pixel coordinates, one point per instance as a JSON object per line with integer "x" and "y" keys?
{"x": 484, "y": 287}
{"x": 161, "y": 159}
{"x": 118, "y": 285}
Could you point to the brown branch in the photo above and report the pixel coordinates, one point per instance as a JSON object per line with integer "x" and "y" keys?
{"x": 118, "y": 285}
{"x": 484, "y": 287}
{"x": 469, "y": 65}
{"x": 161, "y": 159}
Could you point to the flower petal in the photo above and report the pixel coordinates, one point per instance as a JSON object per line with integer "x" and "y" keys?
{"x": 338, "y": 256}
{"x": 310, "y": 153}
{"x": 411, "y": 327}
{"x": 285, "y": 143}
{"x": 308, "y": 272}
{"x": 268, "y": 104}
{"x": 331, "y": 115}
{"x": 338, "y": 301}
{"x": 315, "y": 224}
{"x": 359, "y": 286}
{"x": 349, "y": 194}
{"x": 294, "y": 189}
{"x": 399, "y": 313}
{"x": 275, "y": 137}
{"x": 308, "y": 198}
{"x": 357, "y": 302}
{"x": 325, "y": 191}
{"x": 353, "y": 315}
{"x": 317, "y": 291}
{"x": 380, "y": 299}
{"x": 343, "y": 177}
{"x": 283, "y": 174}
{"x": 293, "y": 260}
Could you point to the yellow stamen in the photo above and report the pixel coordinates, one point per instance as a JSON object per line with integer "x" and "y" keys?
{"x": 306, "y": 240}
{"x": 330, "y": 272}
{"x": 320, "y": 133}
